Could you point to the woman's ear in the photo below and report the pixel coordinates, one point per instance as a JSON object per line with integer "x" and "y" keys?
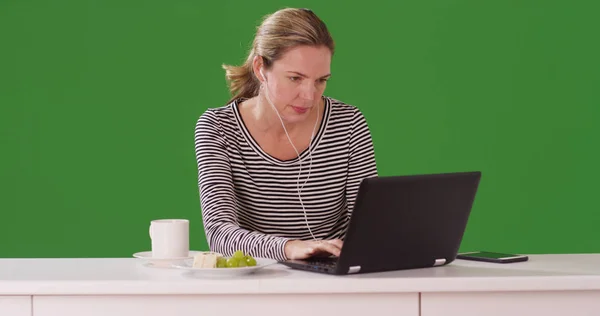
{"x": 257, "y": 65}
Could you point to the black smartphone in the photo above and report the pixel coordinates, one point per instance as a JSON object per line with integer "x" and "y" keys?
{"x": 495, "y": 257}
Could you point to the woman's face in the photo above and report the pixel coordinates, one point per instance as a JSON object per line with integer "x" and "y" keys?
{"x": 296, "y": 82}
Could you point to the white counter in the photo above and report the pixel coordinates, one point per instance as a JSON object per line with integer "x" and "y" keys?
{"x": 545, "y": 285}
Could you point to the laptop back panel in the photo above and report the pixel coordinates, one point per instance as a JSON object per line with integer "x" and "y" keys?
{"x": 407, "y": 222}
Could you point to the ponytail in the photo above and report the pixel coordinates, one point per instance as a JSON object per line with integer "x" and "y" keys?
{"x": 241, "y": 80}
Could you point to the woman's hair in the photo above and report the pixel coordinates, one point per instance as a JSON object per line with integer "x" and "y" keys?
{"x": 279, "y": 32}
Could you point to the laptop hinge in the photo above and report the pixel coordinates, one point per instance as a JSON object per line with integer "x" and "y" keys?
{"x": 439, "y": 262}
{"x": 353, "y": 269}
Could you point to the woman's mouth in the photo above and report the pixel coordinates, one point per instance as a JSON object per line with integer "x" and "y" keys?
{"x": 299, "y": 110}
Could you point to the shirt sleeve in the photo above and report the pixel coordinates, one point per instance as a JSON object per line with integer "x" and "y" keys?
{"x": 361, "y": 162}
{"x": 218, "y": 200}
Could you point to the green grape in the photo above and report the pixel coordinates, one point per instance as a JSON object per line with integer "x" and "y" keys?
{"x": 221, "y": 262}
{"x": 239, "y": 255}
{"x": 232, "y": 262}
{"x": 242, "y": 263}
{"x": 251, "y": 262}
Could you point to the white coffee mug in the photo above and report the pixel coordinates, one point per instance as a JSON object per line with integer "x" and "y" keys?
{"x": 170, "y": 238}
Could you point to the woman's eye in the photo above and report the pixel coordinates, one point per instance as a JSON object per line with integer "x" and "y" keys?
{"x": 294, "y": 78}
{"x": 323, "y": 80}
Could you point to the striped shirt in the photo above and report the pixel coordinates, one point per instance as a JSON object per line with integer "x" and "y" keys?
{"x": 249, "y": 199}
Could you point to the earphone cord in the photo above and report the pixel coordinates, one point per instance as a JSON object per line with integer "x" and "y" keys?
{"x": 299, "y": 159}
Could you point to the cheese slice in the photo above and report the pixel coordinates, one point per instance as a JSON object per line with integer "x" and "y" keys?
{"x": 206, "y": 260}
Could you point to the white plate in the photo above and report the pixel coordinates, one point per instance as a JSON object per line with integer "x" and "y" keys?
{"x": 187, "y": 265}
{"x": 149, "y": 261}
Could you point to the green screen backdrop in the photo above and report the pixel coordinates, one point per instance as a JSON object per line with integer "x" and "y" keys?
{"x": 98, "y": 102}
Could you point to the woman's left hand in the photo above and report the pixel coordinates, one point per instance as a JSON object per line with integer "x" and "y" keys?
{"x": 302, "y": 249}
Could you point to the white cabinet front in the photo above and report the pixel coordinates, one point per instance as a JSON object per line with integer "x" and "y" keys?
{"x": 15, "y": 305}
{"x": 542, "y": 303}
{"x": 249, "y": 304}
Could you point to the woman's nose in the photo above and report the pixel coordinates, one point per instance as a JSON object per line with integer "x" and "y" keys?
{"x": 308, "y": 91}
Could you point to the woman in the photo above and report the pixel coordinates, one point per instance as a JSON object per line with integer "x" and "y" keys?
{"x": 279, "y": 166}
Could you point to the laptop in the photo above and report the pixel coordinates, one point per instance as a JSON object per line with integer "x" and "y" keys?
{"x": 402, "y": 222}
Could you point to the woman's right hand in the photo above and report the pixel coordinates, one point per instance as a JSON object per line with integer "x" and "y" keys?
{"x": 302, "y": 249}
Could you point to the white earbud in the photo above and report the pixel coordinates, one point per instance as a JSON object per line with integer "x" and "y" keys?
{"x": 263, "y": 75}
{"x": 296, "y": 150}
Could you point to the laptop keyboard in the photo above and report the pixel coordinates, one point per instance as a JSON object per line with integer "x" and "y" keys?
{"x": 322, "y": 262}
